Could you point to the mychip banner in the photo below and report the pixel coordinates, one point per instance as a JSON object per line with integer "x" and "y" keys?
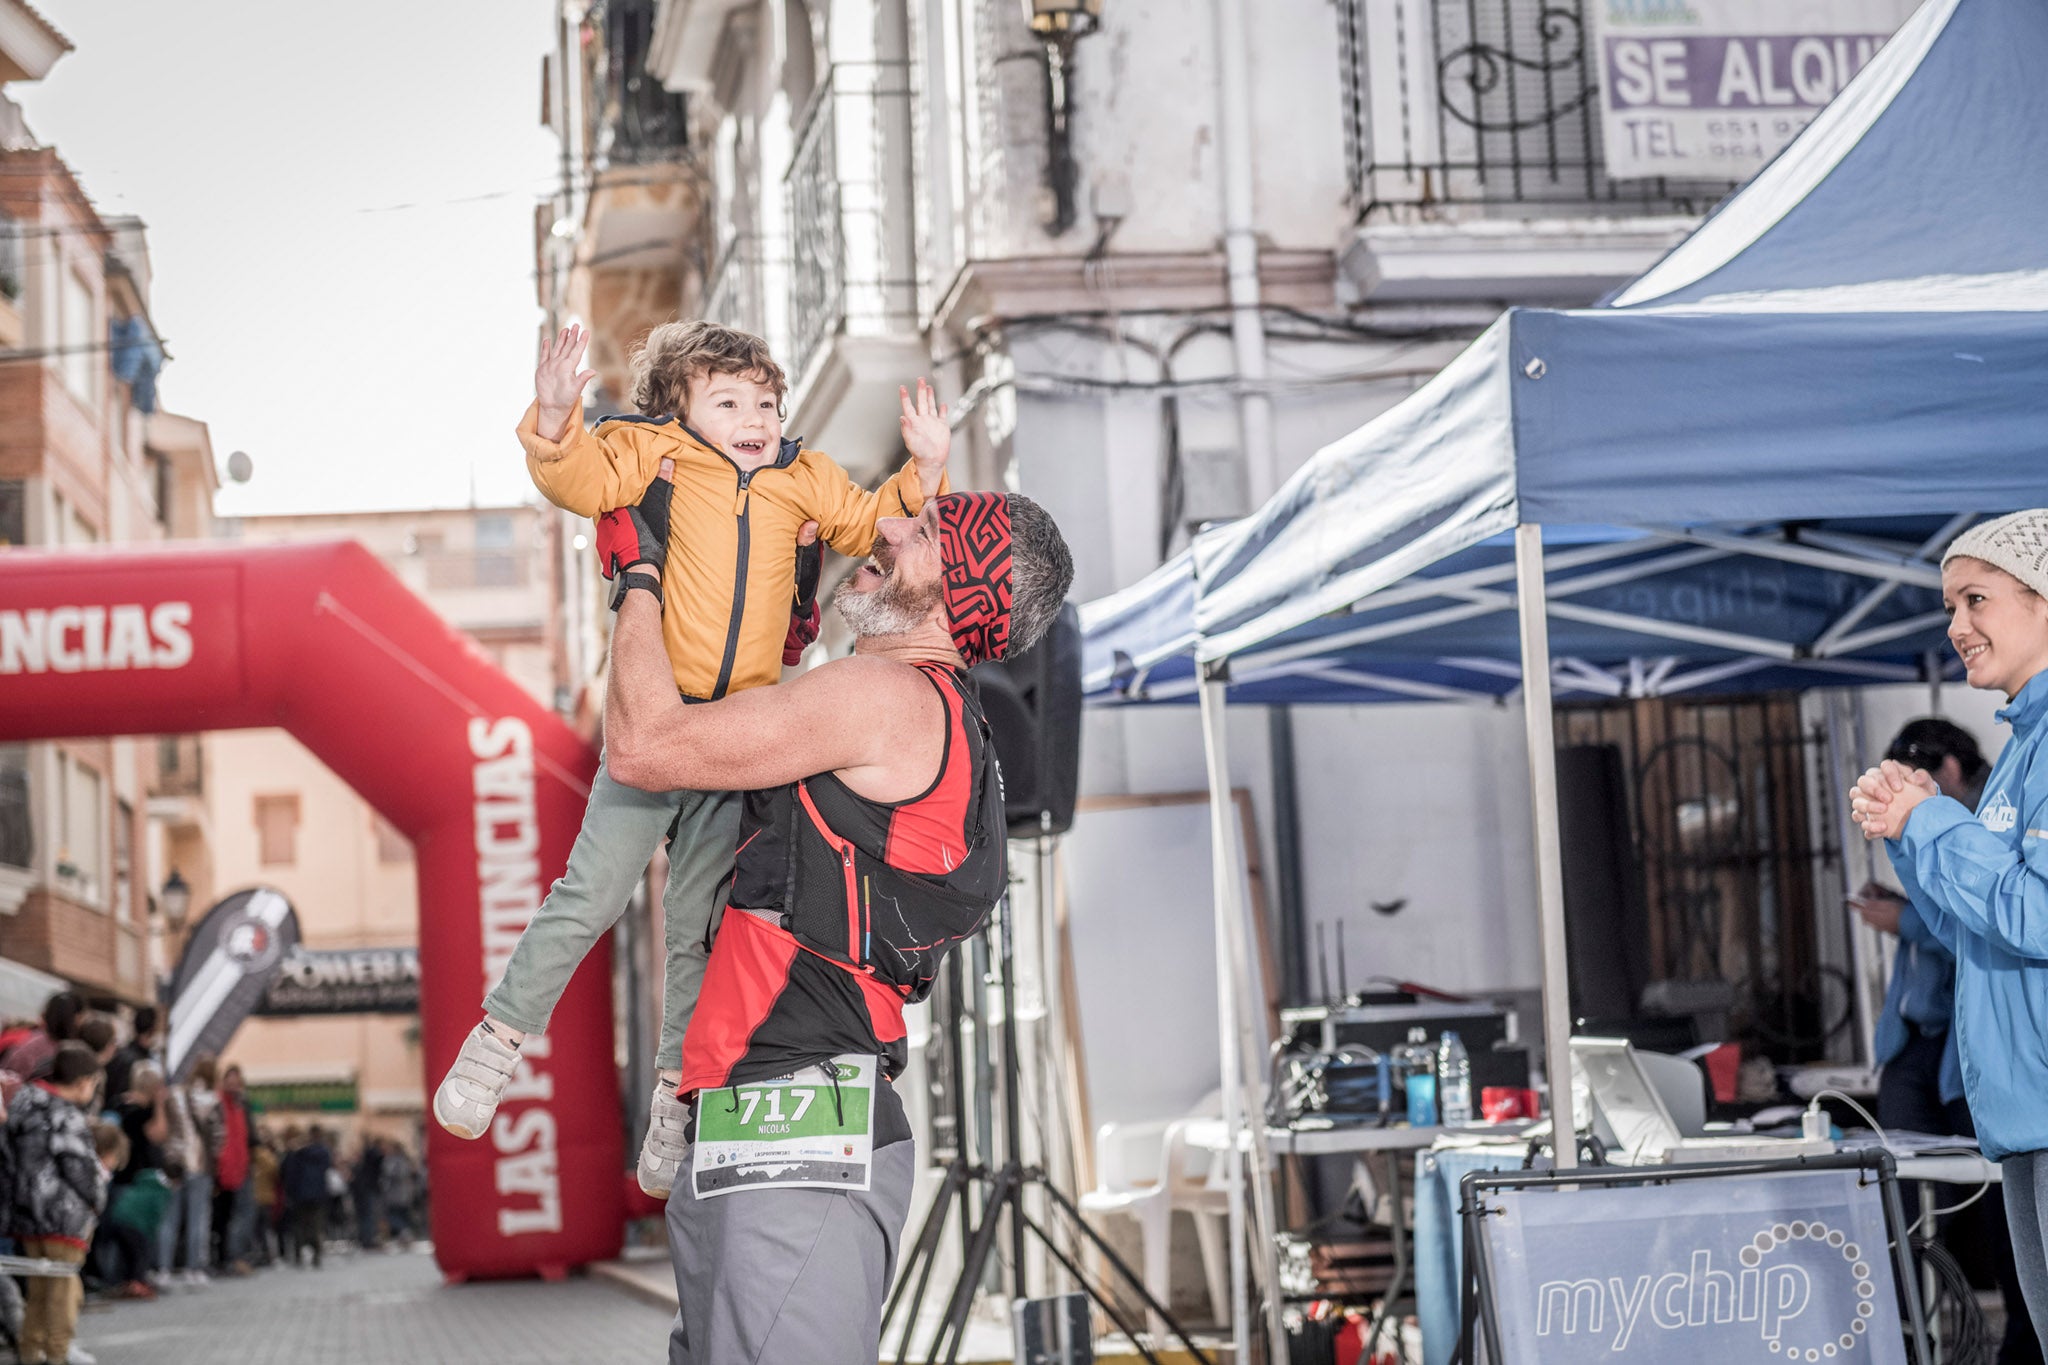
{"x": 1712, "y": 89}
{"x": 1792, "y": 1267}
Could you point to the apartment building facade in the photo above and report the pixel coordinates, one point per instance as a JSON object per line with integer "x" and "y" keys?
{"x": 90, "y": 829}
{"x": 1156, "y": 254}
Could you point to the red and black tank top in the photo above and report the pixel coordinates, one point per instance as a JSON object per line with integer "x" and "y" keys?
{"x": 853, "y": 905}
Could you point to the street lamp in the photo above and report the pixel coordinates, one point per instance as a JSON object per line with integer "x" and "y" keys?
{"x": 176, "y": 899}
{"x": 1058, "y": 23}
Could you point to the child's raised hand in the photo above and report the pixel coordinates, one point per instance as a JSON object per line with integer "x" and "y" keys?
{"x": 927, "y": 435}
{"x": 557, "y": 383}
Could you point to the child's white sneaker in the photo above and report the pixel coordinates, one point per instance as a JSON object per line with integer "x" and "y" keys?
{"x": 469, "y": 1093}
{"x": 663, "y": 1150}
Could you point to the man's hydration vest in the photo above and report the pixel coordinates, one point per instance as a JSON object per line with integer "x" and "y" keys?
{"x": 842, "y": 909}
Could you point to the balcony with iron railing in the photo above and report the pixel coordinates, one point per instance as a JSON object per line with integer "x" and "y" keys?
{"x": 848, "y": 198}
{"x": 1475, "y": 160}
{"x": 1485, "y": 108}
{"x": 642, "y": 193}
{"x": 735, "y": 290}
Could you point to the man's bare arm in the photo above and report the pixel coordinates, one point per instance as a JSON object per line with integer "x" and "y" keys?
{"x": 847, "y": 716}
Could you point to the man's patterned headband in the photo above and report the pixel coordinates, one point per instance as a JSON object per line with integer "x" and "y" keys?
{"x": 974, "y": 540}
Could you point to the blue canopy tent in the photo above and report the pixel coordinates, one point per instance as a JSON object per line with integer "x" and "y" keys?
{"x": 1840, "y": 369}
{"x": 1632, "y": 614}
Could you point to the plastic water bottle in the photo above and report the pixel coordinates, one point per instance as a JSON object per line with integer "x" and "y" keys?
{"x": 1454, "y": 1080}
{"x": 1418, "y": 1079}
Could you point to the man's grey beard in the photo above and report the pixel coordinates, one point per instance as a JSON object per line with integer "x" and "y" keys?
{"x": 890, "y": 609}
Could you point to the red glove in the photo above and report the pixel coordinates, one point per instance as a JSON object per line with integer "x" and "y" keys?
{"x": 629, "y": 535}
{"x": 804, "y": 616}
{"x": 803, "y": 631}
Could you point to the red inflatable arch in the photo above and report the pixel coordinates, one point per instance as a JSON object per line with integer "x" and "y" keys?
{"x": 323, "y": 641}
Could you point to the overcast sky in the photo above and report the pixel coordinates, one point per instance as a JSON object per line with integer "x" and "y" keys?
{"x": 328, "y": 308}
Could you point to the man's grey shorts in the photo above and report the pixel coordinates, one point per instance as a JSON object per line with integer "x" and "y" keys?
{"x": 767, "y": 1277}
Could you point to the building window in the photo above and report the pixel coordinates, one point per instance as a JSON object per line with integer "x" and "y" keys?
{"x": 10, "y": 257}
{"x": 392, "y": 847}
{"x": 277, "y": 829}
{"x": 494, "y": 533}
{"x": 17, "y": 834}
{"x": 81, "y": 357}
{"x": 123, "y": 882}
{"x": 1694, "y": 818}
{"x": 496, "y": 565}
{"x": 160, "y": 482}
{"x": 67, "y": 525}
{"x": 81, "y": 835}
{"x": 13, "y": 513}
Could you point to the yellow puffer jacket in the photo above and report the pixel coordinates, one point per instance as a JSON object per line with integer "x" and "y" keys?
{"x": 731, "y": 570}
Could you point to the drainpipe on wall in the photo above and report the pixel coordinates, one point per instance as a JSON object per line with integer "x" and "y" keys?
{"x": 1241, "y": 245}
{"x": 1255, "y": 425}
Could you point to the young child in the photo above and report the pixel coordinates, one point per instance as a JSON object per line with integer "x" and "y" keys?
{"x": 59, "y": 1186}
{"x": 729, "y": 520}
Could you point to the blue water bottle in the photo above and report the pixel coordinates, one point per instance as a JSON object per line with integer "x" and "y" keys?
{"x": 1420, "y": 1082}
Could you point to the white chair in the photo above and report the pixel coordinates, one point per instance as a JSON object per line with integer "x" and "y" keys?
{"x": 1147, "y": 1170}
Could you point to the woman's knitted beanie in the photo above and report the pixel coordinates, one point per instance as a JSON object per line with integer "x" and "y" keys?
{"x": 2017, "y": 543}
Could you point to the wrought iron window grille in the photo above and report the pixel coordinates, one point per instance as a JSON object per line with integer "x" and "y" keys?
{"x": 1491, "y": 104}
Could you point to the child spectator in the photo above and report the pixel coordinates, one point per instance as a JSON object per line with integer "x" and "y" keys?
{"x": 142, "y": 1189}
{"x": 120, "y": 1251}
{"x": 59, "y": 1186}
{"x": 266, "y": 1198}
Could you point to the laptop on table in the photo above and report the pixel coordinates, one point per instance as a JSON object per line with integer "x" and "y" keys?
{"x": 1630, "y": 1117}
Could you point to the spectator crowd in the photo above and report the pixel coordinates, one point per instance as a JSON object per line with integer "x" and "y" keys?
{"x": 118, "y": 1181}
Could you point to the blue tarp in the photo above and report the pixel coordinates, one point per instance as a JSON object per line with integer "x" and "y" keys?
{"x": 1843, "y": 366}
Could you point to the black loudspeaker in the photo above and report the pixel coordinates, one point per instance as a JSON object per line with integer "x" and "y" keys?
{"x": 1033, "y": 704}
{"x": 1605, "y": 925}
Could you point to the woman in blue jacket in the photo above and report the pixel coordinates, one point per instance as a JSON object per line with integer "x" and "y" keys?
{"x": 1981, "y": 882}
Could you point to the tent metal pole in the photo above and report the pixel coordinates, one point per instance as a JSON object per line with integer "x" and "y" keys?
{"x": 1758, "y": 645}
{"x": 1469, "y": 589}
{"x": 1861, "y": 936}
{"x": 1541, "y": 726}
{"x": 1226, "y": 1000}
{"x": 1912, "y": 625}
{"x": 1244, "y": 1108}
{"x": 1901, "y": 568}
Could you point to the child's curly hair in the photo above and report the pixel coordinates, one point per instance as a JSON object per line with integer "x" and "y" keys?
{"x": 677, "y": 352}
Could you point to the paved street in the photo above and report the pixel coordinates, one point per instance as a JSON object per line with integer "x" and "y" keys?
{"x": 379, "y": 1310}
